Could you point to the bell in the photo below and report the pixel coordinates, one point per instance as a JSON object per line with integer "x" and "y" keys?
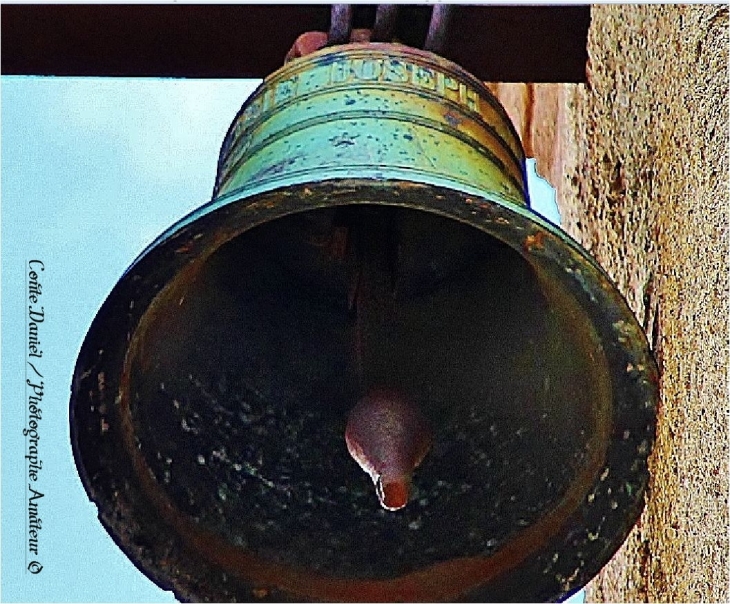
{"x": 369, "y": 232}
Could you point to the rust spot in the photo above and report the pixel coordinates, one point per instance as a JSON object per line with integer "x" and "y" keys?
{"x": 260, "y": 592}
{"x": 534, "y": 241}
{"x": 452, "y": 119}
{"x": 185, "y": 248}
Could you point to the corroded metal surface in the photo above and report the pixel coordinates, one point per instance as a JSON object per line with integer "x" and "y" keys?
{"x": 375, "y": 111}
{"x": 211, "y": 394}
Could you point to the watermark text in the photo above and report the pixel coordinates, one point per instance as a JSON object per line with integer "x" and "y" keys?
{"x": 34, "y": 392}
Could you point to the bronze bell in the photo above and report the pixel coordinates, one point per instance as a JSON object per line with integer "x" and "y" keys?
{"x": 211, "y": 395}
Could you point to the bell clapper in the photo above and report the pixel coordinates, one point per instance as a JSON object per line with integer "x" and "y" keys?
{"x": 388, "y": 437}
{"x": 386, "y": 433}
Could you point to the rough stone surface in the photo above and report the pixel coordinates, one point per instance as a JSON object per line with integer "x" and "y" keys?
{"x": 639, "y": 158}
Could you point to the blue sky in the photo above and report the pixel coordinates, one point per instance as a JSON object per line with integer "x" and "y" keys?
{"x": 93, "y": 169}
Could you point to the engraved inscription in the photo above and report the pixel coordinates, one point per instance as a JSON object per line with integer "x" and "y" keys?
{"x": 395, "y": 71}
{"x": 424, "y": 78}
{"x": 364, "y": 69}
{"x": 253, "y": 110}
{"x": 469, "y": 97}
{"x": 399, "y": 72}
{"x": 285, "y": 90}
{"x": 449, "y": 84}
{"x": 367, "y": 70}
{"x": 348, "y": 70}
{"x": 340, "y": 72}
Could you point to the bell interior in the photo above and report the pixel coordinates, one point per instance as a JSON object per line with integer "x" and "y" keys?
{"x": 243, "y": 370}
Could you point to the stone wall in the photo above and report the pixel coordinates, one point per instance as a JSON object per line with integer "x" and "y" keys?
{"x": 639, "y": 157}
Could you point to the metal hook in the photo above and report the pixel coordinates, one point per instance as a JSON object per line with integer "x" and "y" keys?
{"x": 385, "y": 19}
{"x": 440, "y": 17}
{"x": 340, "y": 24}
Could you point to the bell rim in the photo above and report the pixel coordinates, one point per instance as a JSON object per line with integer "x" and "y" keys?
{"x": 187, "y": 230}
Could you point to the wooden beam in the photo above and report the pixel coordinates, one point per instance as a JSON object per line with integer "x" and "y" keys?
{"x": 496, "y": 43}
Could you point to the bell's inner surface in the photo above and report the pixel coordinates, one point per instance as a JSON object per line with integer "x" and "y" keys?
{"x": 242, "y": 372}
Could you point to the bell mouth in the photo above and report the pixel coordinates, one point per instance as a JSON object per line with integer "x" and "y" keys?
{"x": 211, "y": 395}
